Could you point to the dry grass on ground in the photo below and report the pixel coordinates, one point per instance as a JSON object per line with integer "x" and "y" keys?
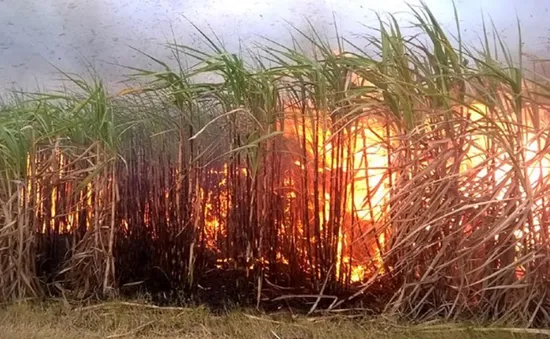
{"x": 129, "y": 320}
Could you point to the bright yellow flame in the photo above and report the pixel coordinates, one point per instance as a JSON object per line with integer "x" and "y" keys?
{"x": 357, "y": 273}
{"x": 89, "y": 205}
{"x": 366, "y": 159}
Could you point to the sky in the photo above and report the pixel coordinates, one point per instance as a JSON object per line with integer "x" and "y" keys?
{"x": 36, "y": 35}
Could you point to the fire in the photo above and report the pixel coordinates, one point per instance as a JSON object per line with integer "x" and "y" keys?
{"x": 324, "y": 150}
{"x": 364, "y": 159}
{"x": 216, "y": 207}
{"x": 357, "y": 273}
{"x": 536, "y": 163}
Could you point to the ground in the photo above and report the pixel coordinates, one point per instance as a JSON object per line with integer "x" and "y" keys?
{"x": 119, "y": 319}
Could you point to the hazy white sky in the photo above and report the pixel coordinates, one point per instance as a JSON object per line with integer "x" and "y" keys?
{"x": 63, "y": 32}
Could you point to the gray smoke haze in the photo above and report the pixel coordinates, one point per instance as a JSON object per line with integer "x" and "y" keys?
{"x": 34, "y": 33}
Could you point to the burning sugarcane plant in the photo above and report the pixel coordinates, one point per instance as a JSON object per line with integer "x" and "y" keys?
{"x": 412, "y": 177}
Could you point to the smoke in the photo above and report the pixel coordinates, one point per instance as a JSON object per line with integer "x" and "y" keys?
{"x": 70, "y": 34}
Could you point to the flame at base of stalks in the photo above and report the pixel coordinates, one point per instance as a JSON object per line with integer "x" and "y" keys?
{"x": 335, "y": 181}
